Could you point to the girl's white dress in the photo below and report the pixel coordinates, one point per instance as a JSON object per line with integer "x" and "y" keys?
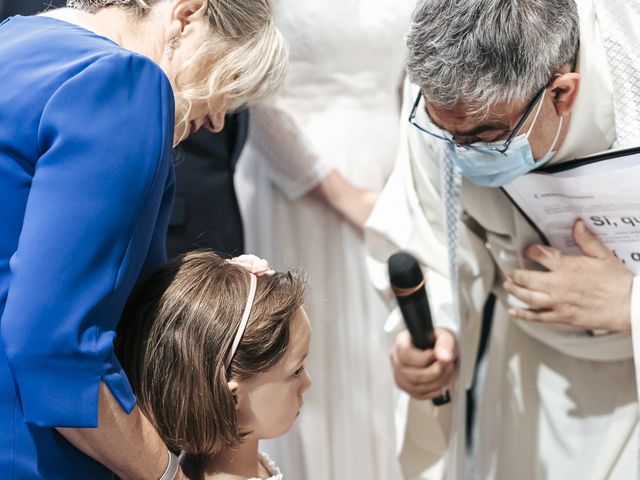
{"x": 271, "y": 467}
{"x": 339, "y": 109}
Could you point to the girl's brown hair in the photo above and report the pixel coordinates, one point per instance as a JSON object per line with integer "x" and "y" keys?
{"x": 176, "y": 331}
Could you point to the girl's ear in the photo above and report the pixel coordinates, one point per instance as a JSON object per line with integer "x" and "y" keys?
{"x": 234, "y": 387}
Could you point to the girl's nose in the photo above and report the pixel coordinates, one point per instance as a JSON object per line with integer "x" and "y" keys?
{"x": 306, "y": 383}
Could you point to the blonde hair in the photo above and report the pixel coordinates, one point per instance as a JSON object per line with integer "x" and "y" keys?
{"x": 174, "y": 336}
{"x": 246, "y": 57}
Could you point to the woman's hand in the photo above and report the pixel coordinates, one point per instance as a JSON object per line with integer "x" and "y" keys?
{"x": 591, "y": 291}
{"x": 425, "y": 374}
{"x": 127, "y": 444}
{"x": 353, "y": 203}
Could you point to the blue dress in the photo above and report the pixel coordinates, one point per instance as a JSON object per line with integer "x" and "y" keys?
{"x": 86, "y": 187}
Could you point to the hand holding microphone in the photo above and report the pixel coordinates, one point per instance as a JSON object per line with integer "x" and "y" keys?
{"x": 423, "y": 358}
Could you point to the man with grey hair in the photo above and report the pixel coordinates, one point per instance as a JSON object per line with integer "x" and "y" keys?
{"x": 503, "y": 87}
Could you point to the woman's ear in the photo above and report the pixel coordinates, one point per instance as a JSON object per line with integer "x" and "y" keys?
{"x": 185, "y": 12}
{"x": 564, "y": 90}
{"x": 188, "y": 11}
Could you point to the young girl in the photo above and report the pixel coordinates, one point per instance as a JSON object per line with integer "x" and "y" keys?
{"x": 215, "y": 350}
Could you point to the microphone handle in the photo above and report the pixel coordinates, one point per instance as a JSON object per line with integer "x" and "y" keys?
{"x": 417, "y": 316}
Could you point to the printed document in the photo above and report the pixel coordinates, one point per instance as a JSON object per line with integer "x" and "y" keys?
{"x": 603, "y": 191}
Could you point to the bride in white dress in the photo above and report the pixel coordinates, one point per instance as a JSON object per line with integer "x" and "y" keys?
{"x": 339, "y": 111}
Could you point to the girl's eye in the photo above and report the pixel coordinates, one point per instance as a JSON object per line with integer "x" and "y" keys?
{"x": 299, "y": 371}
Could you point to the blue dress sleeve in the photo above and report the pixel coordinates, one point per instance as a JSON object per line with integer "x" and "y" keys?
{"x": 105, "y": 140}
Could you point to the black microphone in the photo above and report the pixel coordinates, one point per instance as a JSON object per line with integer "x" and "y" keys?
{"x": 407, "y": 283}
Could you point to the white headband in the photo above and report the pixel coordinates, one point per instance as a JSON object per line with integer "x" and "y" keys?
{"x": 243, "y": 322}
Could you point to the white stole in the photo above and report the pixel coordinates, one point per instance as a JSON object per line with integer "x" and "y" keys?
{"x": 618, "y": 21}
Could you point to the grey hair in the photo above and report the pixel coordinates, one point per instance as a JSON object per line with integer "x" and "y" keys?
{"x": 479, "y": 53}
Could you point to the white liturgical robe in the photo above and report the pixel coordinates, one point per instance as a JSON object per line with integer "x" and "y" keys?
{"x": 557, "y": 402}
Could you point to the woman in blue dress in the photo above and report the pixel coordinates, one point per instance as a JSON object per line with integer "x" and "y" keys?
{"x": 89, "y": 98}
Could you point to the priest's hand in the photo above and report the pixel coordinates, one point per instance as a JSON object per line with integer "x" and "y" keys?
{"x": 591, "y": 291}
{"x": 424, "y": 374}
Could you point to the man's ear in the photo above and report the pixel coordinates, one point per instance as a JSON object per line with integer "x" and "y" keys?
{"x": 564, "y": 92}
{"x": 234, "y": 387}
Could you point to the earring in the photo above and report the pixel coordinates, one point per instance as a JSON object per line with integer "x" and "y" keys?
{"x": 171, "y": 46}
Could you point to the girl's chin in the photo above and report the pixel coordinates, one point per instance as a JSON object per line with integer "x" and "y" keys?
{"x": 282, "y": 432}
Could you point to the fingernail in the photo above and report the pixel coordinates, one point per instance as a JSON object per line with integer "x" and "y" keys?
{"x": 511, "y": 312}
{"x": 444, "y": 355}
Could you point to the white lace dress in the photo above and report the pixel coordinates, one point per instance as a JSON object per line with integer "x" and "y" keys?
{"x": 339, "y": 109}
{"x": 271, "y": 467}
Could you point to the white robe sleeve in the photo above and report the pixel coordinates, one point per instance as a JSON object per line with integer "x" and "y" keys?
{"x": 635, "y": 328}
{"x": 291, "y": 162}
{"x": 410, "y": 216}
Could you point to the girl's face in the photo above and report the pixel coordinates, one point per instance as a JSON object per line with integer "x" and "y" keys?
{"x": 269, "y": 403}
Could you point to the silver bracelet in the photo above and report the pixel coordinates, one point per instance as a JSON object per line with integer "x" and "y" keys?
{"x": 172, "y": 467}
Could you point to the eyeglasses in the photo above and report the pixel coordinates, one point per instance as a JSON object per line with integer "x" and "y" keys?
{"x": 485, "y": 147}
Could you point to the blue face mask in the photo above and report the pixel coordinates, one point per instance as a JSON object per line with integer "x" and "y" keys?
{"x": 486, "y": 167}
